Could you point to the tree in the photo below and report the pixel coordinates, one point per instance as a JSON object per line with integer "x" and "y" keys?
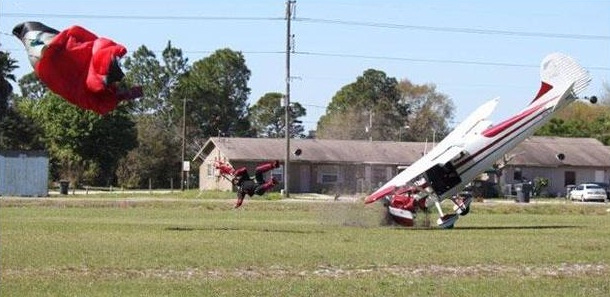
{"x": 374, "y": 104}
{"x": 216, "y": 91}
{"x": 157, "y": 79}
{"x": 158, "y": 117}
{"x": 31, "y": 87}
{"x": 7, "y": 65}
{"x": 83, "y": 146}
{"x": 605, "y": 97}
{"x": 154, "y": 162}
{"x": 580, "y": 119}
{"x": 16, "y": 132}
{"x": 268, "y": 117}
{"x": 430, "y": 112}
{"x": 346, "y": 125}
{"x": 540, "y": 183}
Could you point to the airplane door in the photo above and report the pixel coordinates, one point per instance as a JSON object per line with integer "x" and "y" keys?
{"x": 305, "y": 181}
{"x": 443, "y": 178}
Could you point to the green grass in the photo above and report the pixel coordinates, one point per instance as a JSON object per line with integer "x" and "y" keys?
{"x": 183, "y": 245}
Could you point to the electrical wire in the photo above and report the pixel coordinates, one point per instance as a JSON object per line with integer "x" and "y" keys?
{"x": 454, "y": 29}
{"x": 318, "y": 21}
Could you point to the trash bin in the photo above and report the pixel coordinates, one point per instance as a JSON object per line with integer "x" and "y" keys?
{"x": 63, "y": 187}
{"x": 524, "y": 191}
{"x": 527, "y": 192}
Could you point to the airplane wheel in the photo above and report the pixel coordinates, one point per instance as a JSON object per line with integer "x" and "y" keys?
{"x": 448, "y": 221}
{"x": 465, "y": 211}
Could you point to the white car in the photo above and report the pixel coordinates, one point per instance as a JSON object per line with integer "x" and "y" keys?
{"x": 586, "y": 192}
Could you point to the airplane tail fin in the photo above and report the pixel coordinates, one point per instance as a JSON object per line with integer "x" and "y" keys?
{"x": 559, "y": 72}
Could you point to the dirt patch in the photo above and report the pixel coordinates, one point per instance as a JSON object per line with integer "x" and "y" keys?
{"x": 526, "y": 271}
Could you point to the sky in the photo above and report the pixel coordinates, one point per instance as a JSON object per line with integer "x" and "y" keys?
{"x": 473, "y": 51}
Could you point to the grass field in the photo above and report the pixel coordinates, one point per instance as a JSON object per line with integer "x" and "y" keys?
{"x": 197, "y": 245}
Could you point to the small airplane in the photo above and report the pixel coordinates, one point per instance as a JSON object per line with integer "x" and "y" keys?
{"x": 475, "y": 145}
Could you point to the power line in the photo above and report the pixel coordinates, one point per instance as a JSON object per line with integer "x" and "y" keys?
{"x": 455, "y": 29}
{"x": 319, "y": 21}
{"x": 388, "y": 58}
{"x": 314, "y": 105}
{"x": 140, "y": 17}
{"x": 441, "y": 61}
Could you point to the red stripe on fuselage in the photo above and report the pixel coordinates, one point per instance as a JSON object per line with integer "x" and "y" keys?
{"x": 499, "y": 128}
{"x": 471, "y": 157}
{"x": 496, "y": 129}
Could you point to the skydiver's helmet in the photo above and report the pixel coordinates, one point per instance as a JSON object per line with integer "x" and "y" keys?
{"x": 35, "y": 37}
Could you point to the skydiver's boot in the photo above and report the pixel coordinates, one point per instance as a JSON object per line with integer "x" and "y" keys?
{"x": 129, "y": 93}
{"x": 260, "y": 190}
{"x": 267, "y": 166}
{"x": 240, "y": 172}
{"x": 240, "y": 200}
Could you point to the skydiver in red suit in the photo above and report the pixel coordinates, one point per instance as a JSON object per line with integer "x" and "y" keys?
{"x": 246, "y": 185}
{"x": 77, "y": 65}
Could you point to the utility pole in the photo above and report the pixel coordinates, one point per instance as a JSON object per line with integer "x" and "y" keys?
{"x": 371, "y": 125}
{"x": 183, "y": 144}
{"x": 289, "y": 6}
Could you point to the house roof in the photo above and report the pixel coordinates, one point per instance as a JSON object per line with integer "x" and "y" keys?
{"x": 318, "y": 150}
{"x": 534, "y": 151}
{"x": 543, "y": 151}
{"x": 23, "y": 153}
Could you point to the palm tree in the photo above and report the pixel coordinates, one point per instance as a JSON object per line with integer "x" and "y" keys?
{"x": 7, "y": 65}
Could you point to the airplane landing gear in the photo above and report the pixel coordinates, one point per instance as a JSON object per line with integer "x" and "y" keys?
{"x": 447, "y": 221}
{"x": 462, "y": 205}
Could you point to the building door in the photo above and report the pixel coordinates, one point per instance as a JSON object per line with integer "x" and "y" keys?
{"x": 305, "y": 181}
{"x": 569, "y": 178}
{"x": 600, "y": 176}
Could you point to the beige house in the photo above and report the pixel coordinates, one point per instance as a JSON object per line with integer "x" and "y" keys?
{"x": 563, "y": 161}
{"x": 324, "y": 166}
{"x": 351, "y": 166}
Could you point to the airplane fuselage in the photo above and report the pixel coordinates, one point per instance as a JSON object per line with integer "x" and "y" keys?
{"x": 475, "y": 145}
{"x": 482, "y": 149}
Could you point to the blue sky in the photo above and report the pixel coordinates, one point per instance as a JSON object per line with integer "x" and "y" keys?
{"x": 472, "y": 51}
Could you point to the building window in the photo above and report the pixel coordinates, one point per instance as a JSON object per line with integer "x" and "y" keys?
{"x": 329, "y": 178}
{"x": 517, "y": 176}
{"x": 329, "y": 174}
{"x": 379, "y": 173}
{"x": 210, "y": 171}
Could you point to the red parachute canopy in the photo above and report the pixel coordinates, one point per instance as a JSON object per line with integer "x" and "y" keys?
{"x": 77, "y": 65}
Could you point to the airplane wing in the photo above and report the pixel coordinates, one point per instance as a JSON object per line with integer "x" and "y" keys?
{"x": 467, "y": 126}
{"x": 450, "y": 147}
{"x": 414, "y": 171}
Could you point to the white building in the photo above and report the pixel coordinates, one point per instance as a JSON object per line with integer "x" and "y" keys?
{"x": 24, "y": 173}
